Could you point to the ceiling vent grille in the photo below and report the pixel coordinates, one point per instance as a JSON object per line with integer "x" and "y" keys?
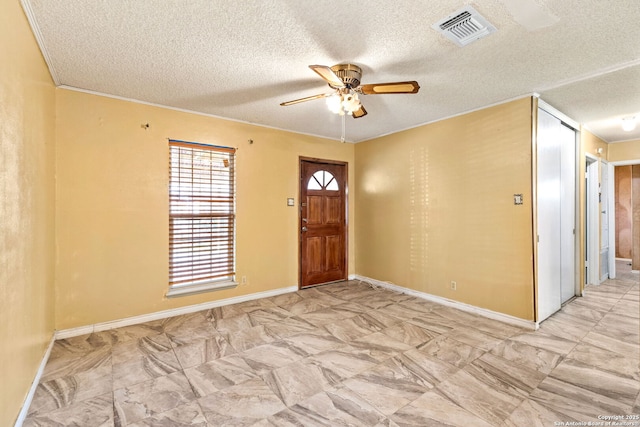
{"x": 464, "y": 26}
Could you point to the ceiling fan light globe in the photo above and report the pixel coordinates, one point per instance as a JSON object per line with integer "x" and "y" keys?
{"x": 334, "y": 103}
{"x": 351, "y": 103}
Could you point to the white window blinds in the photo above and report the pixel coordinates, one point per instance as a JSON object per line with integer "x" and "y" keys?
{"x": 202, "y": 213}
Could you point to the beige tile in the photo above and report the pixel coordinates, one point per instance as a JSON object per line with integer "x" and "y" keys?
{"x": 136, "y": 349}
{"x": 503, "y": 375}
{"x": 626, "y": 366}
{"x": 434, "y": 409}
{"x": 314, "y": 342}
{"x": 451, "y": 351}
{"x": 429, "y": 368}
{"x": 188, "y": 414}
{"x": 565, "y": 326}
{"x": 241, "y": 405}
{"x": 270, "y": 356}
{"x": 70, "y": 365}
{"x": 410, "y": 334}
{"x": 65, "y": 391}
{"x": 480, "y": 396}
{"x": 608, "y": 342}
{"x": 530, "y": 356}
{"x": 583, "y": 311}
{"x": 344, "y": 362}
{"x": 602, "y": 382}
{"x": 143, "y": 368}
{"x": 433, "y": 321}
{"x": 390, "y": 386}
{"x": 135, "y": 332}
{"x": 546, "y": 341}
{"x": 359, "y": 326}
{"x": 285, "y": 299}
{"x": 219, "y": 374}
{"x": 267, "y": 315}
{"x": 575, "y": 402}
{"x": 340, "y": 407}
{"x": 407, "y": 362}
{"x": 152, "y": 397}
{"x": 474, "y": 337}
{"x": 290, "y": 326}
{"x": 97, "y": 411}
{"x": 298, "y": 381}
{"x": 533, "y": 414}
{"x": 250, "y": 337}
{"x": 202, "y": 351}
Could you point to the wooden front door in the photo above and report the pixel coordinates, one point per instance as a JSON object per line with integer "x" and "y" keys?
{"x": 322, "y": 227}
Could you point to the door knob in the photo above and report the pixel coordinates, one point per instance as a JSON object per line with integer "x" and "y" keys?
{"x": 304, "y": 228}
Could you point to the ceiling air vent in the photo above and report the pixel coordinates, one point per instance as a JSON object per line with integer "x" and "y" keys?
{"x": 464, "y": 26}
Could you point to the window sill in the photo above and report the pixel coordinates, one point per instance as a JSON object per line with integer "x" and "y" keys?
{"x": 185, "y": 290}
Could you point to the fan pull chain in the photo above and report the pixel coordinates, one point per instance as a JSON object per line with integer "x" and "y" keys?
{"x": 343, "y": 127}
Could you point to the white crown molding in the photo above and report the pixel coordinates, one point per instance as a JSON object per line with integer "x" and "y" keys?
{"x": 494, "y": 315}
{"x": 183, "y": 110}
{"x": 104, "y": 326}
{"x": 35, "y": 28}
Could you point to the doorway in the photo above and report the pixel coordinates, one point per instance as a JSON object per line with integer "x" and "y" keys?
{"x": 627, "y": 212}
{"x": 592, "y": 232}
{"x": 323, "y": 221}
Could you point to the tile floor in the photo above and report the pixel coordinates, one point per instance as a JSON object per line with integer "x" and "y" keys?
{"x": 347, "y": 354}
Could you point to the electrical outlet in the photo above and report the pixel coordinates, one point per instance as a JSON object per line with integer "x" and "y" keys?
{"x": 454, "y": 286}
{"x": 243, "y": 282}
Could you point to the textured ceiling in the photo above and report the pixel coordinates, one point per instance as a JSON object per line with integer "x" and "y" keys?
{"x": 240, "y": 59}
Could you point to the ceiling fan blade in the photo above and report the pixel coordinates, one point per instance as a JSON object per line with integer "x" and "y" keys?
{"x": 396, "y": 87}
{"x": 327, "y": 75}
{"x": 359, "y": 113}
{"x": 308, "y": 98}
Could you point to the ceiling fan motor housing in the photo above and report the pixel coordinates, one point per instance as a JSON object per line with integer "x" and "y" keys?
{"x": 349, "y": 74}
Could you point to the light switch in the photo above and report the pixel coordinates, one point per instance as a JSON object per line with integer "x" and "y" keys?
{"x": 518, "y": 199}
{"x": 290, "y": 201}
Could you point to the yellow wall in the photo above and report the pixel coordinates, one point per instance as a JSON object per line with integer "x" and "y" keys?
{"x": 435, "y": 205}
{"x": 591, "y": 143}
{"x": 112, "y": 205}
{"x": 621, "y": 151}
{"x": 27, "y": 111}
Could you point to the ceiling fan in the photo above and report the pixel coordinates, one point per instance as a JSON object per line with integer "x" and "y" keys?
{"x": 345, "y": 80}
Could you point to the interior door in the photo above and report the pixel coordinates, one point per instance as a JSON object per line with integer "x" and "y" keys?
{"x": 323, "y": 237}
{"x": 567, "y": 140}
{"x": 592, "y": 239}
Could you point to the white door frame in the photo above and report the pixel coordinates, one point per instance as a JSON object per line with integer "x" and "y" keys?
{"x": 593, "y": 221}
{"x": 610, "y": 206}
{"x": 547, "y": 302}
{"x": 612, "y": 218}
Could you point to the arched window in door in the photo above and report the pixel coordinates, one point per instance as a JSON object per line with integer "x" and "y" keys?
{"x": 323, "y": 180}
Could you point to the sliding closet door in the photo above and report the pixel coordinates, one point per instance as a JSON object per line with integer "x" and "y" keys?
{"x": 567, "y": 212}
{"x": 548, "y": 197}
{"x": 556, "y": 201}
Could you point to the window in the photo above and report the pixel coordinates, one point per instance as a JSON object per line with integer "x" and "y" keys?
{"x": 201, "y": 217}
{"x": 323, "y": 180}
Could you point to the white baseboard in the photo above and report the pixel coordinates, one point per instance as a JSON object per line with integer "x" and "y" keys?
{"x": 104, "y": 326}
{"x": 34, "y": 385}
{"x": 505, "y": 318}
